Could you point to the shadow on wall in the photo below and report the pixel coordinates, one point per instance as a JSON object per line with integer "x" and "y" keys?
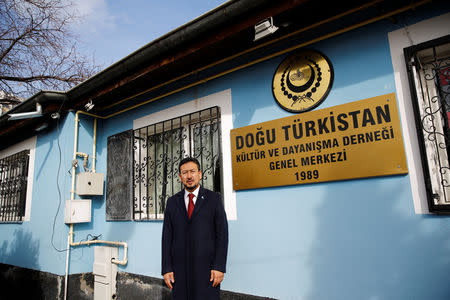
{"x": 22, "y": 251}
{"x": 15, "y": 281}
{"x": 373, "y": 246}
{"x": 45, "y": 160}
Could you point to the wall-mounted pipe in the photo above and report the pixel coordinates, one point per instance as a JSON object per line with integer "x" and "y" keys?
{"x": 124, "y": 261}
{"x": 75, "y": 142}
{"x": 94, "y": 147}
{"x": 70, "y": 242}
{"x": 85, "y": 157}
{"x": 72, "y": 197}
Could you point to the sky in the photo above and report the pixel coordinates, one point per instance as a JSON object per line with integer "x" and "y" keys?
{"x": 112, "y": 29}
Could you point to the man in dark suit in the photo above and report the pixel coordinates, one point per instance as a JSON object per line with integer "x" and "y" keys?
{"x": 194, "y": 238}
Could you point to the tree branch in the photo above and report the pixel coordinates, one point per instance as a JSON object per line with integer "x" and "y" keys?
{"x": 38, "y": 49}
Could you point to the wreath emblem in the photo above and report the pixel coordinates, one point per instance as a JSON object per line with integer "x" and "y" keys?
{"x": 302, "y": 81}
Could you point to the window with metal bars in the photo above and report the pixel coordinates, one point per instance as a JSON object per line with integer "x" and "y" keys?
{"x": 13, "y": 186}
{"x": 429, "y": 77}
{"x": 151, "y": 154}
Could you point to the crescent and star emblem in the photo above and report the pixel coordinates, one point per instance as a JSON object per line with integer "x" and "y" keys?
{"x": 298, "y": 76}
{"x": 302, "y": 81}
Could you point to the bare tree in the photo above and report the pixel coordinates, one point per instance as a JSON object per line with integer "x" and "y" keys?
{"x": 38, "y": 49}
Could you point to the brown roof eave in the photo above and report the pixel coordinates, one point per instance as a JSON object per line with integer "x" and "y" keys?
{"x": 12, "y": 131}
{"x": 228, "y": 19}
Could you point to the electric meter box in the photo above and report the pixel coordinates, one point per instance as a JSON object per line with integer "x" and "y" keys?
{"x": 90, "y": 184}
{"x": 78, "y": 211}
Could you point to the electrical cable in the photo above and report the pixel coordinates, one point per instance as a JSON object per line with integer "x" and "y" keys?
{"x": 57, "y": 178}
{"x": 93, "y": 237}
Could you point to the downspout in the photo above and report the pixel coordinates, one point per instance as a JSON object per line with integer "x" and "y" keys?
{"x": 72, "y": 197}
{"x": 70, "y": 242}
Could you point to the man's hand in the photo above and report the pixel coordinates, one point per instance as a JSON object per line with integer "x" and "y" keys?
{"x": 216, "y": 277}
{"x": 169, "y": 279}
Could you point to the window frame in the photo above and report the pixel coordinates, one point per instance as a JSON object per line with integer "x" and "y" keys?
{"x": 28, "y": 144}
{"x": 120, "y": 148}
{"x": 223, "y": 101}
{"x": 410, "y": 54}
{"x": 158, "y": 149}
{"x": 406, "y": 36}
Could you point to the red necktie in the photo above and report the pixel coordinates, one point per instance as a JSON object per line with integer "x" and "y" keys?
{"x": 191, "y": 205}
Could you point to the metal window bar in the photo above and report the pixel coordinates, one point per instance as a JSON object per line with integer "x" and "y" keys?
{"x": 158, "y": 150}
{"x": 429, "y": 69}
{"x": 13, "y": 186}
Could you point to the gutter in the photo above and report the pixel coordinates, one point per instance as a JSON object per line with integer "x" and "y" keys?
{"x": 13, "y": 131}
{"x": 42, "y": 97}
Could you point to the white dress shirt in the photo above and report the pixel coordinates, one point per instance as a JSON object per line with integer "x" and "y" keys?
{"x": 186, "y": 196}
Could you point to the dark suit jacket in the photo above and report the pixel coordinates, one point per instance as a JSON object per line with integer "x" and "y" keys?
{"x": 191, "y": 248}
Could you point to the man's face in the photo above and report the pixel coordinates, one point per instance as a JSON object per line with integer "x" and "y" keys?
{"x": 190, "y": 175}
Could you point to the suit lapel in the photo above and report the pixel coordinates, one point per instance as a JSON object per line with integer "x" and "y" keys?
{"x": 201, "y": 198}
{"x": 181, "y": 205}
